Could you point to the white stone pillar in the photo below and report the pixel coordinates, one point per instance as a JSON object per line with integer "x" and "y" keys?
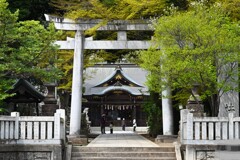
{"x": 190, "y": 153}
{"x": 122, "y": 36}
{"x": 16, "y": 126}
{"x": 57, "y": 123}
{"x": 62, "y": 124}
{"x": 76, "y": 102}
{"x": 167, "y": 113}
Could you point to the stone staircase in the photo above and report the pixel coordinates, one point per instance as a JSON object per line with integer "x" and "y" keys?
{"x": 123, "y": 153}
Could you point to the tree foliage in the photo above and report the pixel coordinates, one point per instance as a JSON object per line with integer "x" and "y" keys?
{"x": 196, "y": 47}
{"x": 26, "y": 50}
{"x": 154, "y": 114}
{"x": 111, "y": 9}
{"x": 233, "y": 8}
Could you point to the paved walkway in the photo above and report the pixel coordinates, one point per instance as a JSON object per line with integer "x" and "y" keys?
{"x": 96, "y": 130}
{"x": 121, "y": 139}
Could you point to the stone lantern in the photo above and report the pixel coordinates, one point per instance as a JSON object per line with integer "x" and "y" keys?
{"x": 50, "y": 103}
{"x": 194, "y": 103}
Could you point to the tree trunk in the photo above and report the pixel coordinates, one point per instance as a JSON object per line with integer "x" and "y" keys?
{"x": 214, "y": 104}
{"x": 65, "y": 104}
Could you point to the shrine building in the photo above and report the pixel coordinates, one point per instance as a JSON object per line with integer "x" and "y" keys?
{"x": 116, "y": 90}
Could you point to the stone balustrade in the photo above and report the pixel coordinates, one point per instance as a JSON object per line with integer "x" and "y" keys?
{"x": 16, "y": 129}
{"x": 209, "y": 136}
{"x": 209, "y": 130}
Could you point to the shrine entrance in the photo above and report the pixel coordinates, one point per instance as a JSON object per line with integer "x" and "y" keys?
{"x": 117, "y": 105}
{"x": 116, "y": 91}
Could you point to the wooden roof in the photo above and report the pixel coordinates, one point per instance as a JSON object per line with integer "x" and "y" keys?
{"x": 105, "y": 78}
{"x": 24, "y": 92}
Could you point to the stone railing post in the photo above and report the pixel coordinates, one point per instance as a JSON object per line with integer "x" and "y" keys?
{"x": 57, "y": 126}
{"x": 190, "y": 126}
{"x": 184, "y": 113}
{"x": 190, "y": 153}
{"x": 62, "y": 124}
{"x": 187, "y": 117}
{"x": 16, "y": 128}
{"x": 231, "y": 125}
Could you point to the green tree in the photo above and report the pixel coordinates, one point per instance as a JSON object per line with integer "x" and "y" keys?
{"x": 110, "y": 9}
{"x": 26, "y": 50}
{"x": 233, "y": 7}
{"x": 199, "y": 46}
{"x": 154, "y": 115}
{"x": 114, "y": 9}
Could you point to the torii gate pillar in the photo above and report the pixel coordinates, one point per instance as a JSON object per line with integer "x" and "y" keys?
{"x": 76, "y": 101}
{"x": 167, "y": 113}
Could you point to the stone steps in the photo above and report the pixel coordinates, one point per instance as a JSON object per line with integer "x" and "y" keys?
{"x": 120, "y": 153}
{"x": 119, "y": 158}
{"x": 123, "y": 155}
{"x": 122, "y": 149}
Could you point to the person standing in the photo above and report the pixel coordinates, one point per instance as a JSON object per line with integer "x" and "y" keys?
{"x": 111, "y": 128}
{"x": 103, "y": 123}
{"x": 134, "y": 125}
{"x": 123, "y": 124}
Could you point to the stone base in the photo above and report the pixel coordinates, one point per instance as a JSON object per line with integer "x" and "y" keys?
{"x": 196, "y": 109}
{"x": 49, "y": 109}
{"x": 166, "y": 138}
{"x": 31, "y": 152}
{"x": 80, "y": 140}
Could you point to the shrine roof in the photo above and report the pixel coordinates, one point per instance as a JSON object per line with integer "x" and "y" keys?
{"x": 118, "y": 73}
{"x": 100, "y": 79}
{"x": 104, "y": 90}
{"x": 25, "y": 92}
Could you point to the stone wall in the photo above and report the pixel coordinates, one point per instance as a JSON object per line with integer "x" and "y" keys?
{"x": 31, "y": 152}
{"x": 232, "y": 96}
{"x": 229, "y": 98}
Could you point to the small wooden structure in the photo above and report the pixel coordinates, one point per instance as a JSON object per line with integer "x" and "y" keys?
{"x": 26, "y": 94}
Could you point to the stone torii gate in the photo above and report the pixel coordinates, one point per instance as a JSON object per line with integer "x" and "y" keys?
{"x": 79, "y": 43}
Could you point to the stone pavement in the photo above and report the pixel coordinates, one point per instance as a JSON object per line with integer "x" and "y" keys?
{"x": 143, "y": 130}
{"x": 121, "y": 139}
